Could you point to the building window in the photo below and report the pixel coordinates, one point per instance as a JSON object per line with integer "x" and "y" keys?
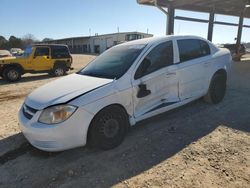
{"x": 97, "y": 49}
{"x": 130, "y": 37}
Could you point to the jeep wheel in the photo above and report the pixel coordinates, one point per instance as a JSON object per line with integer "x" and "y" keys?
{"x": 217, "y": 89}
{"x": 59, "y": 71}
{"x": 108, "y": 129}
{"x": 12, "y": 74}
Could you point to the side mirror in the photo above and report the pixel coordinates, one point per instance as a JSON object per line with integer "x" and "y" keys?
{"x": 145, "y": 64}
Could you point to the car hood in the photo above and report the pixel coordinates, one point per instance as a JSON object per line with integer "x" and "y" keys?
{"x": 8, "y": 58}
{"x": 63, "y": 90}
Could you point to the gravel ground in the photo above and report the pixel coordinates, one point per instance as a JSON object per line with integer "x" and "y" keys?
{"x": 198, "y": 145}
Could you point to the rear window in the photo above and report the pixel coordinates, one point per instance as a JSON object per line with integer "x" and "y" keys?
{"x": 192, "y": 48}
{"x": 60, "y": 52}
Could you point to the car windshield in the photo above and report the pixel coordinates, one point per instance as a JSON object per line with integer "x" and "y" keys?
{"x": 113, "y": 63}
{"x": 27, "y": 51}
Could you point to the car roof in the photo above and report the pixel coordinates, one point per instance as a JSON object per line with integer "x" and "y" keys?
{"x": 4, "y": 52}
{"x": 153, "y": 40}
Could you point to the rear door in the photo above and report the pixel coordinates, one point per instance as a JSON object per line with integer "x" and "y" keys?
{"x": 194, "y": 57}
{"x": 160, "y": 81}
{"x": 41, "y": 59}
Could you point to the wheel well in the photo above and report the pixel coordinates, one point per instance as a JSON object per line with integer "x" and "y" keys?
{"x": 59, "y": 63}
{"x": 221, "y": 72}
{"x": 15, "y": 65}
{"x": 109, "y": 106}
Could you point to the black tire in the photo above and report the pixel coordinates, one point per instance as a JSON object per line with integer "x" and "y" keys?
{"x": 108, "y": 129}
{"x": 217, "y": 89}
{"x": 12, "y": 74}
{"x": 59, "y": 71}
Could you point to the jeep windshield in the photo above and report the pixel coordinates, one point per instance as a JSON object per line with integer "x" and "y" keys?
{"x": 113, "y": 63}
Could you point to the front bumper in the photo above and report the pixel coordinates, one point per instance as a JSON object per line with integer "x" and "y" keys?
{"x": 66, "y": 135}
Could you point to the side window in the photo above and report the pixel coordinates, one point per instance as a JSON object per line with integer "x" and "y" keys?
{"x": 42, "y": 51}
{"x": 60, "y": 52}
{"x": 192, "y": 48}
{"x": 205, "y": 49}
{"x": 161, "y": 56}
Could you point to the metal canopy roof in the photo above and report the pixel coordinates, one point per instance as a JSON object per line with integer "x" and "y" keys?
{"x": 227, "y": 7}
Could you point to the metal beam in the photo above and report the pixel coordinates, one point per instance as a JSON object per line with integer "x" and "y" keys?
{"x": 170, "y": 20}
{"x": 207, "y": 21}
{"x": 226, "y": 23}
{"x": 239, "y": 35}
{"x": 210, "y": 26}
{"x": 191, "y": 19}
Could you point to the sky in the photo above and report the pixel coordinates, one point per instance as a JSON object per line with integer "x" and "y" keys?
{"x": 71, "y": 18}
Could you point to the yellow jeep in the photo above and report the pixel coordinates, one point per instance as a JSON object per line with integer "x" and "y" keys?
{"x": 53, "y": 59}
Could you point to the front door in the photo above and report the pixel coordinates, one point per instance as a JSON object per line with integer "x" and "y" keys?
{"x": 157, "y": 85}
{"x": 42, "y": 59}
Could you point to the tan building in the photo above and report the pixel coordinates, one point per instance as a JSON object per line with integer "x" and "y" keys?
{"x": 98, "y": 43}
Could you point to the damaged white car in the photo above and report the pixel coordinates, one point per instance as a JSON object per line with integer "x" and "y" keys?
{"x": 126, "y": 84}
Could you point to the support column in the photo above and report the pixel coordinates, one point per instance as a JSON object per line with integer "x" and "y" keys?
{"x": 210, "y": 26}
{"x": 170, "y": 21}
{"x": 239, "y": 35}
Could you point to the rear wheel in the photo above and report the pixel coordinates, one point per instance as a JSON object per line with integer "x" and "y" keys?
{"x": 217, "y": 89}
{"x": 108, "y": 128}
{"x": 12, "y": 74}
{"x": 59, "y": 71}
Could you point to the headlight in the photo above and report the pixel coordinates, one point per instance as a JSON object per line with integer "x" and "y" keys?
{"x": 56, "y": 114}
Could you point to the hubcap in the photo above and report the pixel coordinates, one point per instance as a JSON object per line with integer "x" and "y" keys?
{"x": 13, "y": 74}
{"x": 111, "y": 128}
{"x": 59, "y": 72}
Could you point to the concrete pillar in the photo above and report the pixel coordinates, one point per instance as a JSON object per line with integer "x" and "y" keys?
{"x": 170, "y": 21}
{"x": 210, "y": 26}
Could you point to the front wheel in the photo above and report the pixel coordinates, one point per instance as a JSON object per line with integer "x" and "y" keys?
{"x": 108, "y": 128}
{"x": 12, "y": 74}
{"x": 217, "y": 89}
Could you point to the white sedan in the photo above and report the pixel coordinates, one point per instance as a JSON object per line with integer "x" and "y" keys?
{"x": 126, "y": 84}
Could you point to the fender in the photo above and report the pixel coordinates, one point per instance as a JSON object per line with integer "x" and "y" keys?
{"x": 60, "y": 63}
{"x": 13, "y": 65}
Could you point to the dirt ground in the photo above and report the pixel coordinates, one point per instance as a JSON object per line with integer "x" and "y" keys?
{"x": 198, "y": 145}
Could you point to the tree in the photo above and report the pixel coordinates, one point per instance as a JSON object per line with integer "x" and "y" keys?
{"x": 14, "y": 42}
{"x": 3, "y": 42}
{"x": 28, "y": 40}
{"x": 47, "y": 39}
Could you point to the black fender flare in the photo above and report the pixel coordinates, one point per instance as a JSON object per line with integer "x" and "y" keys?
{"x": 15, "y": 65}
{"x": 60, "y": 64}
